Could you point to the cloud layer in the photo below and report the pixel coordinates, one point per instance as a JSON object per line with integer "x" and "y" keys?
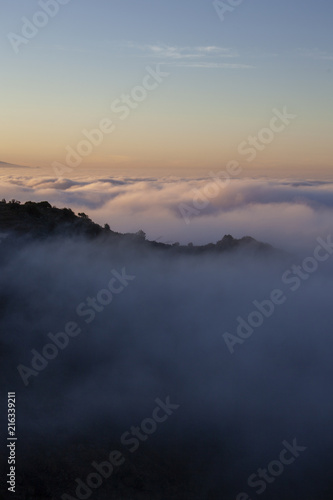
{"x": 162, "y": 336}
{"x": 285, "y": 213}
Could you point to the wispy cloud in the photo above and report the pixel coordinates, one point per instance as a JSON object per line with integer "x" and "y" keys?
{"x": 175, "y": 52}
{"x": 316, "y": 54}
{"x": 210, "y": 56}
{"x": 210, "y": 65}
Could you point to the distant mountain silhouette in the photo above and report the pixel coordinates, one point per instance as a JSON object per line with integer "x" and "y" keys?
{"x": 10, "y": 165}
{"x": 41, "y": 221}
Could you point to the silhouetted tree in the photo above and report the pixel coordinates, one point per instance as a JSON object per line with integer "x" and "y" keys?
{"x": 141, "y": 234}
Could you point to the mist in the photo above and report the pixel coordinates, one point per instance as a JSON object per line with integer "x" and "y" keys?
{"x": 288, "y": 214}
{"x": 162, "y": 336}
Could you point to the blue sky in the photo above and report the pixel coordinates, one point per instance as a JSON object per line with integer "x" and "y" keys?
{"x": 225, "y": 78}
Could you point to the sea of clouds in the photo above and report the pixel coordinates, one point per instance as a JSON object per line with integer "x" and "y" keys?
{"x": 289, "y": 214}
{"x": 164, "y": 335}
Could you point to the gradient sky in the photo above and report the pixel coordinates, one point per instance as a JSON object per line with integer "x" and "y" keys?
{"x": 225, "y": 79}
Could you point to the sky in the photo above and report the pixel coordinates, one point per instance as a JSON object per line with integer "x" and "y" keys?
{"x": 203, "y": 84}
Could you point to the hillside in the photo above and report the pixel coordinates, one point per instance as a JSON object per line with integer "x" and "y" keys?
{"x": 41, "y": 221}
